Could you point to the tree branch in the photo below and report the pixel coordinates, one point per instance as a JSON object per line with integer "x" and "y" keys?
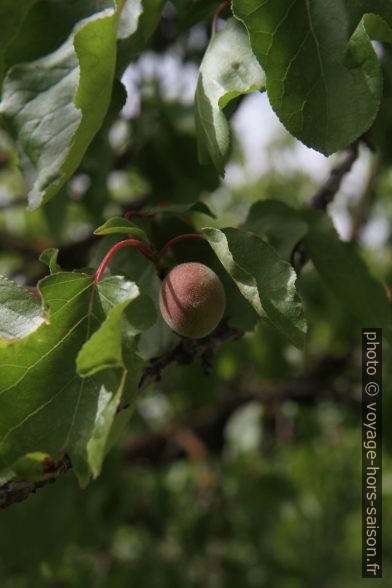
{"x": 200, "y": 432}
{"x": 197, "y": 433}
{"x": 324, "y": 196}
{"x": 326, "y": 193}
{"x": 18, "y": 490}
{"x": 187, "y": 352}
{"x": 361, "y": 213}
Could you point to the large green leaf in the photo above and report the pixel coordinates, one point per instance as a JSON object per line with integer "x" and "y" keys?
{"x": 346, "y": 274}
{"x": 324, "y": 79}
{"x": 45, "y": 406}
{"x": 228, "y": 70}
{"x": 266, "y": 281}
{"x": 55, "y": 105}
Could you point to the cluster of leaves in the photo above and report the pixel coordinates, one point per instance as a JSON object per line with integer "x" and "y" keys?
{"x": 59, "y": 64}
{"x": 248, "y": 476}
{"x": 89, "y": 333}
{"x": 71, "y": 359}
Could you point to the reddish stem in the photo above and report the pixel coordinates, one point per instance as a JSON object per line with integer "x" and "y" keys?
{"x": 221, "y": 8}
{"x": 176, "y": 239}
{"x": 142, "y": 247}
{"x": 134, "y": 213}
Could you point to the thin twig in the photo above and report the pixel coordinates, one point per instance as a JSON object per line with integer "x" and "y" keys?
{"x": 187, "y": 352}
{"x": 361, "y": 213}
{"x": 326, "y": 193}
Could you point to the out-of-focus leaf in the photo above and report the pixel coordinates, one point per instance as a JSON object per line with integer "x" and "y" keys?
{"x": 228, "y": 70}
{"x": 265, "y": 280}
{"x": 11, "y": 17}
{"x": 282, "y": 224}
{"x": 98, "y": 161}
{"x": 346, "y": 274}
{"x": 179, "y": 179}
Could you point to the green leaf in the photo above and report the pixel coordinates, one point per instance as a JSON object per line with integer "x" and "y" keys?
{"x": 20, "y": 311}
{"x": 118, "y": 224}
{"x": 228, "y": 70}
{"x": 266, "y": 281}
{"x": 345, "y": 273}
{"x": 44, "y": 405}
{"x": 109, "y": 424}
{"x": 55, "y": 105}
{"x": 103, "y": 349}
{"x": 158, "y": 338}
{"x": 324, "y": 78}
{"x": 143, "y": 17}
{"x": 49, "y": 258}
{"x": 282, "y": 224}
{"x": 98, "y": 161}
{"x": 139, "y": 316}
{"x": 11, "y": 17}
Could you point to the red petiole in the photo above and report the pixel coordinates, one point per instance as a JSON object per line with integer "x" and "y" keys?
{"x": 176, "y": 240}
{"x": 147, "y": 251}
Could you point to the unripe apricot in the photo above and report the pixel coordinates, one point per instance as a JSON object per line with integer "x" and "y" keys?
{"x": 192, "y": 300}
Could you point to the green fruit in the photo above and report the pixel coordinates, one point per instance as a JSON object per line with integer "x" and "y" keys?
{"x": 192, "y": 300}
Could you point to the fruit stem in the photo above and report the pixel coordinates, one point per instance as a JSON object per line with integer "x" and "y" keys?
{"x": 147, "y": 251}
{"x": 176, "y": 239}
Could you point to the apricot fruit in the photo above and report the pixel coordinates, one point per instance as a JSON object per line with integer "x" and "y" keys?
{"x": 192, "y": 300}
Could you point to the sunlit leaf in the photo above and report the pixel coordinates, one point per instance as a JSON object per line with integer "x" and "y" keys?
{"x": 324, "y": 78}
{"x": 266, "y": 281}
{"x": 228, "y": 70}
